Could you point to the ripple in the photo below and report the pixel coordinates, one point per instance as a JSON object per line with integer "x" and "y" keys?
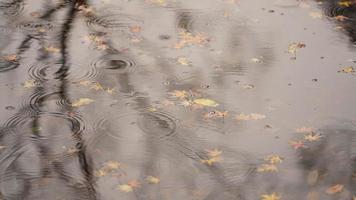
{"x": 158, "y": 124}
{"x": 11, "y": 8}
{"x": 115, "y": 62}
{"x": 38, "y": 72}
{"x": 111, "y": 22}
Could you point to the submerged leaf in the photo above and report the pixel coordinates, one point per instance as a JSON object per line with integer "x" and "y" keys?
{"x": 273, "y": 196}
{"x": 335, "y": 189}
{"x": 152, "y": 180}
{"x": 206, "y": 102}
{"x": 82, "y": 102}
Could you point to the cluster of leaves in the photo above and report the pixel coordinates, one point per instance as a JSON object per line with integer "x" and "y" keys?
{"x": 310, "y": 135}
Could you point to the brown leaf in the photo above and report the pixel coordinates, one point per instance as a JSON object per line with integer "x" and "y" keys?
{"x": 335, "y": 189}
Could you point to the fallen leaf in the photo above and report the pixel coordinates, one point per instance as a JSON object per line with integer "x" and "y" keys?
{"x": 187, "y": 38}
{"x": 211, "y": 161}
{"x": 181, "y": 94}
{"x": 341, "y": 18}
{"x": 29, "y": 84}
{"x": 274, "y": 159}
{"x": 293, "y": 47}
{"x": 267, "y": 168}
{"x": 96, "y": 86}
{"x": 346, "y": 3}
{"x": 316, "y": 15}
{"x": 252, "y": 116}
{"x": 215, "y": 114}
{"x": 112, "y": 165}
{"x": 135, "y": 29}
{"x": 335, "y": 189}
{"x": 183, "y": 61}
{"x": 347, "y": 70}
{"x": 134, "y": 183}
{"x": 297, "y": 144}
{"x": 110, "y": 90}
{"x": 82, "y": 102}
{"x": 11, "y": 57}
{"x": 206, "y": 102}
{"x": 214, "y": 152}
{"x": 52, "y": 49}
{"x": 100, "y": 173}
{"x": 273, "y": 196}
{"x": 305, "y": 130}
{"x": 312, "y": 137}
{"x": 313, "y": 177}
{"x": 152, "y": 180}
{"x": 257, "y": 60}
{"x": 125, "y": 188}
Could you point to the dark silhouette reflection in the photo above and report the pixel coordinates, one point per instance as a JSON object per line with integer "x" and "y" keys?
{"x": 331, "y": 161}
{"x": 344, "y": 14}
{"x": 68, "y": 174}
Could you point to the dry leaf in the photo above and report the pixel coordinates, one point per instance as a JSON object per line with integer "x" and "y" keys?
{"x": 316, "y": 15}
{"x": 252, "y": 116}
{"x": 206, "y": 102}
{"x": 293, "y": 47}
{"x": 183, "y": 61}
{"x": 100, "y": 173}
{"x": 297, "y": 144}
{"x": 181, "y": 94}
{"x": 135, "y": 29}
{"x": 313, "y": 177}
{"x": 214, "y": 152}
{"x": 274, "y": 159}
{"x": 215, "y": 114}
{"x": 211, "y": 161}
{"x": 187, "y": 38}
{"x": 82, "y": 102}
{"x": 52, "y": 49}
{"x": 347, "y": 70}
{"x": 305, "y": 130}
{"x": 125, "y": 188}
{"x": 29, "y": 84}
{"x": 11, "y": 57}
{"x": 152, "y": 180}
{"x": 273, "y": 196}
{"x": 335, "y": 189}
{"x": 267, "y": 168}
{"x": 346, "y": 3}
{"x": 312, "y": 137}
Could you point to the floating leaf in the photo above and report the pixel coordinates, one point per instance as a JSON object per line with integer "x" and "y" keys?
{"x": 316, "y": 15}
{"x": 152, "y": 180}
{"x": 312, "y": 137}
{"x": 305, "y": 130}
{"x": 293, "y": 47}
{"x": 347, "y": 70}
{"x": 341, "y": 18}
{"x": 29, "y": 84}
{"x": 112, "y": 165}
{"x": 11, "y": 57}
{"x": 187, "y": 38}
{"x": 183, "y": 61}
{"x": 211, "y": 161}
{"x": 52, "y": 49}
{"x": 267, "y": 168}
{"x": 206, "y": 102}
{"x": 297, "y": 144}
{"x": 274, "y": 159}
{"x": 252, "y": 116}
{"x": 82, "y": 102}
{"x": 125, "y": 188}
{"x": 214, "y": 152}
{"x": 135, "y": 29}
{"x": 346, "y": 3}
{"x": 335, "y": 189}
{"x": 181, "y": 94}
{"x": 215, "y": 114}
{"x": 273, "y": 196}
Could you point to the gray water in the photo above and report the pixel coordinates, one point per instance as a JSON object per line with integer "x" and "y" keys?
{"x": 174, "y": 99}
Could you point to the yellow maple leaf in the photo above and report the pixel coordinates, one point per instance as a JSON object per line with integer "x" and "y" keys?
{"x": 152, "y": 180}
{"x": 100, "y": 173}
{"x": 348, "y": 69}
{"x": 29, "y": 84}
{"x": 82, "y": 102}
{"x": 273, "y": 196}
{"x": 206, "y": 102}
{"x": 112, "y": 165}
{"x": 183, "y": 61}
{"x": 293, "y": 47}
{"x": 345, "y": 3}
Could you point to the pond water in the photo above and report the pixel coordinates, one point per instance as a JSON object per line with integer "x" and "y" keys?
{"x": 175, "y": 99}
